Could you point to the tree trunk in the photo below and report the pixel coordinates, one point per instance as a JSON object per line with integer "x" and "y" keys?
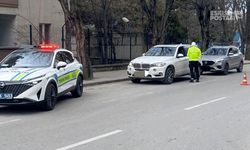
{"x": 162, "y": 32}
{"x": 74, "y": 17}
{"x": 68, "y": 36}
{"x": 80, "y": 47}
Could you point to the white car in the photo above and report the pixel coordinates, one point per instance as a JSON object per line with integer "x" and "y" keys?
{"x": 39, "y": 75}
{"x": 161, "y": 62}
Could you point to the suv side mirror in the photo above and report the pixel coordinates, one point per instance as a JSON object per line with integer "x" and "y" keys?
{"x": 180, "y": 55}
{"x": 61, "y": 64}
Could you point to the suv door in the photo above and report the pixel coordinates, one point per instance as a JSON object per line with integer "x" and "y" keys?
{"x": 237, "y": 57}
{"x": 232, "y": 54}
{"x": 181, "y": 62}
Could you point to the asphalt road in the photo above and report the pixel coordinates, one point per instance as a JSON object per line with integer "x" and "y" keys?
{"x": 210, "y": 115}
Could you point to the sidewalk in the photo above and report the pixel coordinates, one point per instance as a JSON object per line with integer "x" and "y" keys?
{"x": 113, "y": 76}
{"x": 106, "y": 77}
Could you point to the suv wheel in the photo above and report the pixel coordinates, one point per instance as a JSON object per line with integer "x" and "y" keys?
{"x": 169, "y": 76}
{"x": 136, "y": 80}
{"x": 226, "y": 68}
{"x": 240, "y": 67}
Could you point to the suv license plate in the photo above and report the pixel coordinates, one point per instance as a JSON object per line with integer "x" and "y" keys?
{"x": 139, "y": 74}
{"x": 6, "y": 96}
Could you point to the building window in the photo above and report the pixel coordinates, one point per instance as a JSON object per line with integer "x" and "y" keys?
{"x": 44, "y": 30}
{"x": 9, "y": 3}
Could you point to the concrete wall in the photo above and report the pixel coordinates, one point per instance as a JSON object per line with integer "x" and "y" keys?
{"x": 32, "y": 12}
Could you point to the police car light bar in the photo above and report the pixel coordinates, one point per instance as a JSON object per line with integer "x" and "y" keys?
{"x": 49, "y": 46}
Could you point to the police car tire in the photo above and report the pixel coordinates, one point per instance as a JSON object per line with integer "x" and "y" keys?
{"x": 77, "y": 92}
{"x": 50, "y": 97}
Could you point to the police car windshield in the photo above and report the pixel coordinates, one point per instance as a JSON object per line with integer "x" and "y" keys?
{"x": 28, "y": 59}
{"x": 161, "y": 51}
{"x": 216, "y": 51}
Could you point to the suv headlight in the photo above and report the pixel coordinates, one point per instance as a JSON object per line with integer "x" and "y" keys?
{"x": 159, "y": 64}
{"x": 130, "y": 64}
{"x": 219, "y": 61}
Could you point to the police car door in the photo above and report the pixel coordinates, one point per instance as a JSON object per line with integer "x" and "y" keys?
{"x": 61, "y": 73}
{"x": 71, "y": 68}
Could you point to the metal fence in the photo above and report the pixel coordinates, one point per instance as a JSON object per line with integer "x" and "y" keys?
{"x": 120, "y": 46}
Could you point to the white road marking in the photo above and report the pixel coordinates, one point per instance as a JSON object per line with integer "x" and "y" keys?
{"x": 113, "y": 100}
{"x": 10, "y": 121}
{"x": 110, "y": 101}
{"x": 90, "y": 140}
{"x": 189, "y": 108}
{"x": 143, "y": 94}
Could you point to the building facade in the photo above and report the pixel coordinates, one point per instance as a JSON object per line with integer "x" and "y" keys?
{"x": 25, "y": 22}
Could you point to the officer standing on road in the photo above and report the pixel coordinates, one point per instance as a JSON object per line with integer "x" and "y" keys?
{"x": 194, "y": 53}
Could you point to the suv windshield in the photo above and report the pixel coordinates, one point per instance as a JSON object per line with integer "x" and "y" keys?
{"x": 28, "y": 59}
{"x": 161, "y": 51}
{"x": 216, "y": 51}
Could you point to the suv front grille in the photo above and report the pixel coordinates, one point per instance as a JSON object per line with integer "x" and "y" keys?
{"x": 206, "y": 63}
{"x": 15, "y": 89}
{"x": 141, "y": 66}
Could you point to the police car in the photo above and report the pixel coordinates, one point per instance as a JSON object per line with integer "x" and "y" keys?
{"x": 39, "y": 75}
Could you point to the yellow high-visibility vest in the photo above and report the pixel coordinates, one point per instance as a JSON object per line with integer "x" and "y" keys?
{"x": 194, "y": 53}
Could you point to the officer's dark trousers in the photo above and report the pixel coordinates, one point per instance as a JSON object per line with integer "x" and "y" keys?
{"x": 193, "y": 65}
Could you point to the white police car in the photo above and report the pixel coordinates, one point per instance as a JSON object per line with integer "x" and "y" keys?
{"x": 39, "y": 75}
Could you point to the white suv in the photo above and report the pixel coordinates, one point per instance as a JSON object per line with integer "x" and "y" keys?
{"x": 161, "y": 62}
{"x": 39, "y": 75}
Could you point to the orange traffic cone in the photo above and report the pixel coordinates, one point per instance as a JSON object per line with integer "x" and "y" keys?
{"x": 244, "y": 80}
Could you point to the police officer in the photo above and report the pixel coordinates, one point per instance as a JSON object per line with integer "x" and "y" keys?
{"x": 194, "y": 53}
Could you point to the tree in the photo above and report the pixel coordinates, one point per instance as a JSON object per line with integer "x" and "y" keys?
{"x": 157, "y": 22}
{"x": 73, "y": 14}
{"x": 203, "y": 8}
{"x": 104, "y": 6}
{"x": 243, "y": 24}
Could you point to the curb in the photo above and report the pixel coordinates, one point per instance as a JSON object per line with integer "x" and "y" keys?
{"x": 104, "y": 82}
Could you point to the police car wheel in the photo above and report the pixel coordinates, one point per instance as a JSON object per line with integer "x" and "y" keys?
{"x": 50, "y": 97}
{"x": 77, "y": 92}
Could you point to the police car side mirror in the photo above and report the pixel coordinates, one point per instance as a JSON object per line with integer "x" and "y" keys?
{"x": 61, "y": 64}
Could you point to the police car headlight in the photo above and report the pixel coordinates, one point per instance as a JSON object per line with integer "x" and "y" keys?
{"x": 219, "y": 61}
{"x": 33, "y": 81}
{"x": 160, "y": 64}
